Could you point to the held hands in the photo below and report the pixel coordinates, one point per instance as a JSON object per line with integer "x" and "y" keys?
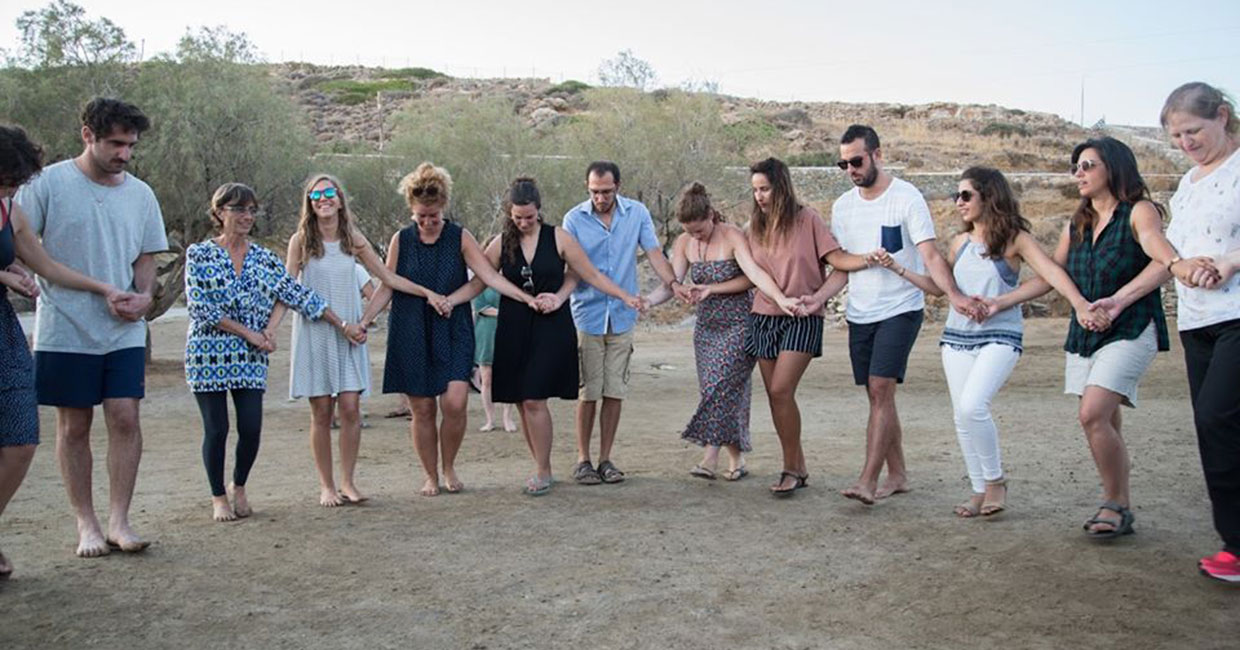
{"x": 270, "y": 335}
{"x": 880, "y": 257}
{"x": 973, "y": 307}
{"x": 683, "y": 293}
{"x": 22, "y": 282}
{"x": 636, "y": 302}
{"x": 352, "y": 331}
{"x": 439, "y": 303}
{"x": 259, "y": 341}
{"x": 546, "y": 303}
{"x": 127, "y": 305}
{"x": 1098, "y": 315}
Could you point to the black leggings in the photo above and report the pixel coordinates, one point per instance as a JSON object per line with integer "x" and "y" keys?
{"x": 1212, "y": 354}
{"x": 214, "y": 408}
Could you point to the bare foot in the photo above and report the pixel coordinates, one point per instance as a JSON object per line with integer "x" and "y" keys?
{"x": 861, "y": 493}
{"x": 451, "y": 483}
{"x": 90, "y": 539}
{"x": 996, "y": 498}
{"x": 430, "y": 488}
{"x": 350, "y": 494}
{"x": 970, "y": 508}
{"x": 121, "y": 536}
{"x": 221, "y": 510}
{"x": 893, "y": 485}
{"x": 509, "y": 426}
{"x": 241, "y": 504}
{"x": 328, "y": 498}
{"x": 6, "y": 567}
{"x": 489, "y": 426}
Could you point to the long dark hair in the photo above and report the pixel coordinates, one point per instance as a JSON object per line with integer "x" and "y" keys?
{"x": 784, "y": 207}
{"x": 1123, "y": 181}
{"x": 1000, "y": 209}
{"x": 522, "y": 191}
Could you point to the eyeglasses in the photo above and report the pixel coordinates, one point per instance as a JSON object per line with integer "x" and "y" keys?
{"x": 428, "y": 191}
{"x": 962, "y": 195}
{"x": 325, "y": 193}
{"x": 855, "y": 162}
{"x": 1084, "y": 165}
{"x": 243, "y": 209}
{"x": 528, "y": 274}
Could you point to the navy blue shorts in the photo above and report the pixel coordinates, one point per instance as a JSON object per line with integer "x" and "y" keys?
{"x": 84, "y": 380}
{"x": 881, "y": 349}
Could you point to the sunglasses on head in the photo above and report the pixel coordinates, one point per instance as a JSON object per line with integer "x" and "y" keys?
{"x": 855, "y": 162}
{"x": 1084, "y": 165}
{"x": 325, "y": 193}
{"x": 428, "y": 191}
{"x": 528, "y": 274}
{"x": 963, "y": 195}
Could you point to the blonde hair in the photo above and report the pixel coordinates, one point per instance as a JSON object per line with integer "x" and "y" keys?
{"x": 1204, "y": 101}
{"x": 427, "y": 185}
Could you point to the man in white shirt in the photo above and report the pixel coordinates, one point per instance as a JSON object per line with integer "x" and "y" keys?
{"x": 884, "y": 311}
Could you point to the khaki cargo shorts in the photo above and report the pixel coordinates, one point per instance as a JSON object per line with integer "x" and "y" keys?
{"x": 604, "y": 365}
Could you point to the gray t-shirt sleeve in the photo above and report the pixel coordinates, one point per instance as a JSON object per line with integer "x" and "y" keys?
{"x": 32, "y": 197}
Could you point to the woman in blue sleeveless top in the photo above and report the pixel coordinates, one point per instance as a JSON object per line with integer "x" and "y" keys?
{"x": 431, "y": 333}
{"x": 978, "y": 357}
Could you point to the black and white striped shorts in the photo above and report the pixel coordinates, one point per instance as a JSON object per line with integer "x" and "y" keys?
{"x": 767, "y": 336}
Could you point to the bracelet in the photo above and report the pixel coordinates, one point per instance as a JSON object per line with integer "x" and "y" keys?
{"x": 901, "y": 272}
{"x": 1175, "y": 259}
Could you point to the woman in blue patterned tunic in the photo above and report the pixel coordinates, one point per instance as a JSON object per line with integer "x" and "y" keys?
{"x": 19, "y": 417}
{"x": 431, "y": 334}
{"x": 231, "y": 287}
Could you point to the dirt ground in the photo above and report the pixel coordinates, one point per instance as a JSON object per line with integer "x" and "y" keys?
{"x": 663, "y": 560}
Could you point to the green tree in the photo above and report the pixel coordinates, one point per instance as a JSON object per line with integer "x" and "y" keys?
{"x": 60, "y": 34}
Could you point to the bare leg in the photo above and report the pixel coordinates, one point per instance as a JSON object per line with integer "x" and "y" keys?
{"x": 14, "y": 461}
{"x": 537, "y": 419}
{"x": 781, "y": 376}
{"x": 1100, "y": 418}
{"x": 425, "y": 431}
{"x": 608, "y": 423}
{"x": 882, "y": 393}
{"x": 349, "y": 407}
{"x": 736, "y": 459}
{"x": 453, "y": 403}
{"x": 897, "y": 473}
{"x": 124, "y": 454}
{"x": 509, "y": 425}
{"x": 585, "y": 428}
{"x": 321, "y": 448}
{"x": 76, "y": 463}
{"x": 484, "y": 379}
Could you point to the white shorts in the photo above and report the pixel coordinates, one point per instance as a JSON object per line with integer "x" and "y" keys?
{"x": 1116, "y": 366}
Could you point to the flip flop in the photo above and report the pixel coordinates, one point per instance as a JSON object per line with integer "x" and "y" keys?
{"x": 736, "y": 474}
{"x": 536, "y": 488}
{"x": 799, "y": 483}
{"x": 353, "y": 502}
{"x": 703, "y": 472}
{"x": 131, "y": 548}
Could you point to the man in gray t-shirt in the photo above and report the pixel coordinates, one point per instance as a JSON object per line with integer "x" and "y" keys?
{"x": 99, "y": 220}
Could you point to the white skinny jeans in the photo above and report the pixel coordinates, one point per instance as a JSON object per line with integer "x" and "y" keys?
{"x": 973, "y": 378}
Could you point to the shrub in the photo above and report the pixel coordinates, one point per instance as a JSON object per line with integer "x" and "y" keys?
{"x": 570, "y": 87}
{"x": 1005, "y": 129}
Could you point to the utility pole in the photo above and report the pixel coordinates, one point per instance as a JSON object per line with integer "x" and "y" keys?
{"x": 1082, "y": 101}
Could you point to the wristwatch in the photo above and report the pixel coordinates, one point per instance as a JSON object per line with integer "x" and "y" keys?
{"x": 1175, "y": 259}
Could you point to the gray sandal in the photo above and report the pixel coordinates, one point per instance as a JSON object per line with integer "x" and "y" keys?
{"x": 1121, "y": 526}
{"x": 584, "y": 474}
{"x": 609, "y": 472}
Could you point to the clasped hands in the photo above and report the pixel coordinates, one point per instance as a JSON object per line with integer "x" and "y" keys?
{"x": 1203, "y": 272}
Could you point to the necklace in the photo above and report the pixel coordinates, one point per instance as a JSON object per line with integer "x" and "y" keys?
{"x": 704, "y": 247}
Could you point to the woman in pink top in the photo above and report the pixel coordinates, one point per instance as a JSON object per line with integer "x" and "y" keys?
{"x": 792, "y": 244}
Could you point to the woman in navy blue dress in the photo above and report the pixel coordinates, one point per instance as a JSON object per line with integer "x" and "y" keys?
{"x": 430, "y": 333}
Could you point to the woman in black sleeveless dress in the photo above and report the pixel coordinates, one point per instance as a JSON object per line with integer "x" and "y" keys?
{"x": 430, "y": 332}
{"x": 536, "y": 346}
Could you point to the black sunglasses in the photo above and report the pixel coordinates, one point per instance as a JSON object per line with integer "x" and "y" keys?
{"x": 855, "y": 161}
{"x": 528, "y": 274}
{"x": 962, "y": 195}
{"x": 429, "y": 191}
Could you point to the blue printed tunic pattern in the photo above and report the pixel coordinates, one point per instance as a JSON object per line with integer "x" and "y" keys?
{"x": 216, "y": 360}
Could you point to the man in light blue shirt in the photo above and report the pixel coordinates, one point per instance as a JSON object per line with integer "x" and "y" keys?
{"x": 610, "y": 228}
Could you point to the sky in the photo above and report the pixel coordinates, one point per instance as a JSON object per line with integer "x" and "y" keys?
{"x": 1122, "y": 57}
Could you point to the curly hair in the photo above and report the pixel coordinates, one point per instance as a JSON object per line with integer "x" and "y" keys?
{"x": 20, "y": 158}
{"x": 1000, "y": 209}
{"x": 102, "y": 114}
{"x": 522, "y": 191}
{"x": 784, "y": 207}
{"x": 308, "y": 224}
{"x": 427, "y": 185}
